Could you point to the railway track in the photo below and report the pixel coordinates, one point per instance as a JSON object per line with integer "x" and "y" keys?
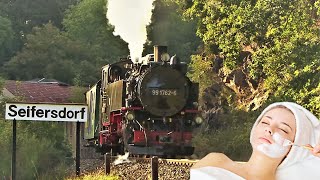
{"x": 187, "y": 162}
{"x": 152, "y": 167}
{"x": 139, "y": 168}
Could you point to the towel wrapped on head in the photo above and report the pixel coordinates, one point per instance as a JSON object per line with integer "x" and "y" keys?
{"x": 299, "y": 163}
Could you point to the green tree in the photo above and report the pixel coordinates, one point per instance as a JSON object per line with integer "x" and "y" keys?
{"x": 41, "y": 150}
{"x": 269, "y": 48}
{"x": 87, "y": 22}
{"x": 26, "y": 14}
{"x": 168, "y": 28}
{"x": 263, "y": 51}
{"x": 6, "y": 39}
{"x": 48, "y": 53}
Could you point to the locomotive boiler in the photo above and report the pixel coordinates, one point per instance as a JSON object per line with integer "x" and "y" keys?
{"x": 147, "y": 107}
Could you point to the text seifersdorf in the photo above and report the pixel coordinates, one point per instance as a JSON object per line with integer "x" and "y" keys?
{"x": 33, "y": 112}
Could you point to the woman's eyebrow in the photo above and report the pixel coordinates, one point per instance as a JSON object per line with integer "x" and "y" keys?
{"x": 269, "y": 117}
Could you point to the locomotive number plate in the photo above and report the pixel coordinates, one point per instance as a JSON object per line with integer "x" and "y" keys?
{"x": 164, "y": 92}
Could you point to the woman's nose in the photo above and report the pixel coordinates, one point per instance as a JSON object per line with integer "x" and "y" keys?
{"x": 268, "y": 130}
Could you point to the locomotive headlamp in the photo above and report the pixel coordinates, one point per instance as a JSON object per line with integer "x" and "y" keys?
{"x": 165, "y": 57}
{"x": 195, "y": 104}
{"x": 130, "y": 115}
{"x": 198, "y": 120}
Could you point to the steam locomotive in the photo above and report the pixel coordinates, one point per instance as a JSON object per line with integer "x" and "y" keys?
{"x": 147, "y": 107}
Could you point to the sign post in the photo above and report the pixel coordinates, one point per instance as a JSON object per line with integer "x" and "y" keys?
{"x": 14, "y": 148}
{"x": 78, "y": 149}
{"x": 45, "y": 112}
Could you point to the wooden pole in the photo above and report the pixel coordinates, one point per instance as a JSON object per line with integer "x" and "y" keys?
{"x": 154, "y": 167}
{"x": 14, "y": 149}
{"x": 107, "y": 161}
{"x": 78, "y": 149}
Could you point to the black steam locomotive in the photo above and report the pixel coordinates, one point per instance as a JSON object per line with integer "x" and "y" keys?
{"x": 147, "y": 107}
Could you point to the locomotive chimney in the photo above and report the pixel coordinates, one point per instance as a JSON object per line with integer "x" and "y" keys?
{"x": 158, "y": 50}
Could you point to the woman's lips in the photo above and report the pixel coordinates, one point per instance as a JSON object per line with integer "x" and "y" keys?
{"x": 265, "y": 140}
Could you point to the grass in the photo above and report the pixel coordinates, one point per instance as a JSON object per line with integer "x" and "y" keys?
{"x": 96, "y": 176}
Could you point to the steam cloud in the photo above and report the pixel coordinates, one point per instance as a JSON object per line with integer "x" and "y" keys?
{"x": 130, "y": 18}
{"x": 122, "y": 159}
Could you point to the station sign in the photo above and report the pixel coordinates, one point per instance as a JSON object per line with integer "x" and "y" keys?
{"x": 46, "y": 112}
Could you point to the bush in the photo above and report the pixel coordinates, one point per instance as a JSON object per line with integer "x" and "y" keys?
{"x": 231, "y": 138}
{"x": 42, "y": 152}
{"x": 38, "y": 155}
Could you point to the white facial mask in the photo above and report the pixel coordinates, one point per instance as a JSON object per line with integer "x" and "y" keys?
{"x": 275, "y": 150}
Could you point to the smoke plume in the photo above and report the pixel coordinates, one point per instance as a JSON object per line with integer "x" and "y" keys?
{"x": 130, "y": 18}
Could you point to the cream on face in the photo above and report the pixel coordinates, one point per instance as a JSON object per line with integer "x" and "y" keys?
{"x": 274, "y": 150}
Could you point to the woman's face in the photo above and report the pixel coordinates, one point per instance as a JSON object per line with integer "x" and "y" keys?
{"x": 275, "y": 126}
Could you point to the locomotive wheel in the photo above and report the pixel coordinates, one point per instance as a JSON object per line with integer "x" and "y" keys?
{"x": 114, "y": 151}
{"x": 126, "y": 138}
{"x": 123, "y": 148}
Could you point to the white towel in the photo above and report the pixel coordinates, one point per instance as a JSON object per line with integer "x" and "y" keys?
{"x": 308, "y": 169}
{"x": 299, "y": 160}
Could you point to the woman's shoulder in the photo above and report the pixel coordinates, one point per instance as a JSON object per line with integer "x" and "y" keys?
{"x": 213, "y": 173}
{"x": 214, "y": 159}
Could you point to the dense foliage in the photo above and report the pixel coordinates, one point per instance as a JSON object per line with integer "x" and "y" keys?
{"x": 230, "y": 136}
{"x": 6, "y": 39}
{"x": 74, "y": 56}
{"x": 38, "y": 156}
{"x": 262, "y": 50}
{"x": 87, "y": 22}
{"x": 244, "y": 53}
{"x": 26, "y": 14}
{"x": 49, "y": 53}
{"x": 168, "y": 28}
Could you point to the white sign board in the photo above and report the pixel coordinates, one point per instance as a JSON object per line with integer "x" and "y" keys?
{"x": 46, "y": 112}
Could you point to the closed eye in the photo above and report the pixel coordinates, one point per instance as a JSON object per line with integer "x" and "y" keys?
{"x": 284, "y": 131}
